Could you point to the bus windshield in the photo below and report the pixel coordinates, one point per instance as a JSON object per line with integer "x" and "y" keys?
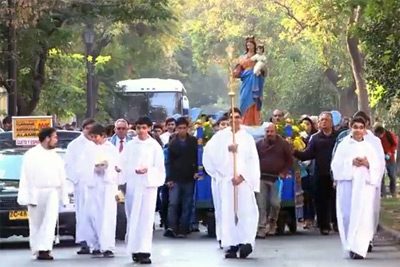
{"x": 157, "y": 105}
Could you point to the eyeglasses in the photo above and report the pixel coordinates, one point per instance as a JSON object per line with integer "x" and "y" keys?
{"x": 121, "y": 128}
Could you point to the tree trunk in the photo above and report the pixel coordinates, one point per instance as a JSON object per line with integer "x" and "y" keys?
{"x": 347, "y": 100}
{"x": 347, "y": 95}
{"x": 357, "y": 63}
{"x": 27, "y": 106}
{"x": 12, "y": 62}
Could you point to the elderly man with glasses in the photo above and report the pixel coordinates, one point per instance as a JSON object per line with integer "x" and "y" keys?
{"x": 121, "y": 137}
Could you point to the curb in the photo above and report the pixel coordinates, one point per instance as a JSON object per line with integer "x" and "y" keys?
{"x": 395, "y": 234}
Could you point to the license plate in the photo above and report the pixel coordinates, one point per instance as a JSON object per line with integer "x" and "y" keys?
{"x": 18, "y": 215}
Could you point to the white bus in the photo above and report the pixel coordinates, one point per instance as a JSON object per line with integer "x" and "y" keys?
{"x": 153, "y": 97}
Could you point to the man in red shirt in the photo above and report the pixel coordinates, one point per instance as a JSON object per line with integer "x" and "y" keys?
{"x": 389, "y": 144}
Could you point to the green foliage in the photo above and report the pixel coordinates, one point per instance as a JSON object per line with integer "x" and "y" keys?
{"x": 381, "y": 39}
{"x": 64, "y": 92}
{"x": 187, "y": 40}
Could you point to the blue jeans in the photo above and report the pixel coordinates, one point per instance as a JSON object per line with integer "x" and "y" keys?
{"x": 308, "y": 188}
{"x": 180, "y": 207}
{"x": 391, "y": 172}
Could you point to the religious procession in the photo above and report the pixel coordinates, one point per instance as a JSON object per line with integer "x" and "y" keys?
{"x": 199, "y": 133}
{"x": 322, "y": 172}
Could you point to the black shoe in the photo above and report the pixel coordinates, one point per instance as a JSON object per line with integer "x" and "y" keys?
{"x": 135, "y": 257}
{"x": 169, "y": 233}
{"x": 44, "y": 255}
{"x": 108, "y": 254}
{"x": 96, "y": 253}
{"x": 370, "y": 246}
{"x": 83, "y": 251}
{"x": 231, "y": 253}
{"x": 324, "y": 231}
{"x": 355, "y": 256}
{"x": 245, "y": 250}
{"x": 144, "y": 258}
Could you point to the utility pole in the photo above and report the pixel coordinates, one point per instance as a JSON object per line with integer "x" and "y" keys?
{"x": 12, "y": 61}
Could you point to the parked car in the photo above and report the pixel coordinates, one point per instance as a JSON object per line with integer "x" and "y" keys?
{"x": 14, "y": 217}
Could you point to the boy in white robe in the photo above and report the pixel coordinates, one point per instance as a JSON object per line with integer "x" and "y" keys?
{"x": 218, "y": 162}
{"x": 357, "y": 171}
{"x": 42, "y": 189}
{"x": 79, "y": 167}
{"x": 143, "y": 167}
{"x": 102, "y": 191}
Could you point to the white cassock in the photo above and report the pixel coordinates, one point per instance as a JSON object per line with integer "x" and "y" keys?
{"x": 376, "y": 143}
{"x": 42, "y": 184}
{"x": 79, "y": 162}
{"x": 165, "y": 138}
{"x": 218, "y": 162}
{"x": 355, "y": 194}
{"x": 141, "y": 191}
{"x": 101, "y": 203}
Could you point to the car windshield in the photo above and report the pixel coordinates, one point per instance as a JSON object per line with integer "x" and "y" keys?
{"x": 10, "y": 163}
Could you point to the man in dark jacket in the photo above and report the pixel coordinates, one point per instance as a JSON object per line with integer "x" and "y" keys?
{"x": 320, "y": 148}
{"x": 182, "y": 150}
{"x": 275, "y": 160}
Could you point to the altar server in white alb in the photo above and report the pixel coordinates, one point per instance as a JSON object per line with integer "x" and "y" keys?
{"x": 102, "y": 190}
{"x": 218, "y": 162}
{"x": 144, "y": 171}
{"x": 42, "y": 189}
{"x": 79, "y": 168}
{"x": 357, "y": 171}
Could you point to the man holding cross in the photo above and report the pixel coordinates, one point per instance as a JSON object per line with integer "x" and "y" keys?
{"x": 231, "y": 158}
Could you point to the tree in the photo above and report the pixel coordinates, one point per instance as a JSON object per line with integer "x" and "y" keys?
{"x": 17, "y": 14}
{"x": 380, "y": 34}
{"x": 54, "y": 18}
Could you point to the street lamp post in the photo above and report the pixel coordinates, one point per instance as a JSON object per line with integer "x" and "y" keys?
{"x": 88, "y": 37}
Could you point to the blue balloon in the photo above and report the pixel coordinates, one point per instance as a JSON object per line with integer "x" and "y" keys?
{"x": 336, "y": 117}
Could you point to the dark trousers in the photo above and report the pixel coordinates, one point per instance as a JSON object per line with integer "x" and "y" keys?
{"x": 164, "y": 196}
{"x": 307, "y": 184}
{"x": 325, "y": 202}
{"x": 180, "y": 207}
{"x": 391, "y": 172}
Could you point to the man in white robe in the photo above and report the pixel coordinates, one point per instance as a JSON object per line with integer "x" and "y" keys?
{"x": 357, "y": 171}
{"x": 218, "y": 162}
{"x": 143, "y": 168}
{"x": 102, "y": 191}
{"x": 79, "y": 163}
{"x": 42, "y": 189}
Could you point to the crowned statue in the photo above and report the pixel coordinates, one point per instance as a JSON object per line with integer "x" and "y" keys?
{"x": 251, "y": 71}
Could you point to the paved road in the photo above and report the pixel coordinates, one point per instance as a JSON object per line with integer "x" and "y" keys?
{"x": 304, "y": 249}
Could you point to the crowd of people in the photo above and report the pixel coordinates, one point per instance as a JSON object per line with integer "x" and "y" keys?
{"x": 339, "y": 174}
